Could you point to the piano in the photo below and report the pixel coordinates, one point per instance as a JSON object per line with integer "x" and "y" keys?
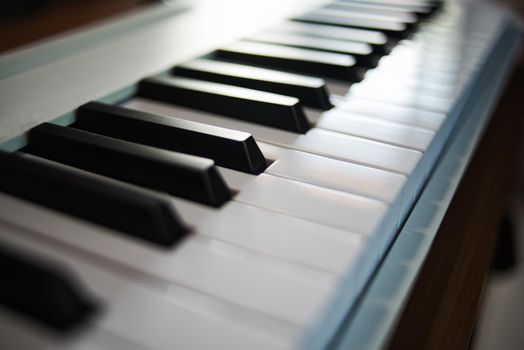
{"x": 237, "y": 175}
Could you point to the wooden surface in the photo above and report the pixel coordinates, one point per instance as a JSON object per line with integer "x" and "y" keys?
{"x": 59, "y": 16}
{"x": 442, "y": 309}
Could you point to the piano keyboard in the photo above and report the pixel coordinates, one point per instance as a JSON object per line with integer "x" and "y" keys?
{"x": 245, "y": 196}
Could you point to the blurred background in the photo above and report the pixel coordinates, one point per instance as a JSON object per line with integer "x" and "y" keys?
{"x": 25, "y": 21}
{"x": 501, "y": 313}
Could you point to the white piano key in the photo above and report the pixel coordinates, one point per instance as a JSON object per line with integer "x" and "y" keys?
{"x": 283, "y": 236}
{"x": 295, "y": 198}
{"x": 275, "y": 272}
{"x": 425, "y": 69}
{"x": 19, "y": 335}
{"x": 398, "y": 134}
{"x": 407, "y": 115}
{"x": 395, "y": 70}
{"x": 313, "y": 115}
{"x": 359, "y": 150}
{"x": 164, "y": 316}
{"x": 233, "y": 275}
{"x": 330, "y": 173}
{"x": 339, "y": 146}
{"x": 437, "y": 60}
{"x": 393, "y": 79}
{"x": 437, "y": 52}
{"x": 431, "y": 60}
{"x": 272, "y": 233}
{"x": 324, "y": 206}
{"x": 383, "y": 85}
{"x": 206, "y": 219}
{"x": 414, "y": 99}
{"x": 247, "y": 254}
{"x": 236, "y": 180}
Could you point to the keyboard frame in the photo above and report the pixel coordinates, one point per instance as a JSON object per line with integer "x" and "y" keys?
{"x": 405, "y": 259}
{"x": 338, "y": 328}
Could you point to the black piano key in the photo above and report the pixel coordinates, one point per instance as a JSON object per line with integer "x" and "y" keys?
{"x": 402, "y": 3}
{"x": 363, "y": 53}
{"x": 418, "y": 6}
{"x": 388, "y": 13}
{"x": 310, "y": 62}
{"x": 179, "y": 174}
{"x": 128, "y": 209}
{"x": 229, "y": 148}
{"x": 255, "y": 106}
{"x": 421, "y": 10}
{"x": 43, "y": 293}
{"x": 310, "y": 91}
{"x": 391, "y": 28}
{"x": 379, "y": 41}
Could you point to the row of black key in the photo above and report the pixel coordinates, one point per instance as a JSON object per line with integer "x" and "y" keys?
{"x": 255, "y": 106}
{"x": 127, "y": 145}
{"x": 219, "y": 87}
{"x": 304, "y": 45}
{"x": 175, "y": 173}
{"x": 73, "y": 169}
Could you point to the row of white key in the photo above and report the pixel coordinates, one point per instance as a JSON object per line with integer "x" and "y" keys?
{"x": 259, "y": 270}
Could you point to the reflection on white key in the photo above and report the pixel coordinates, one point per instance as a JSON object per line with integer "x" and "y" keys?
{"x": 17, "y": 333}
{"x": 196, "y": 263}
{"x": 332, "y": 173}
{"x": 376, "y": 129}
{"x": 272, "y": 233}
{"x": 349, "y": 212}
{"x": 303, "y": 273}
{"x": 390, "y": 81}
{"x": 414, "y": 99}
{"x": 258, "y": 131}
{"x": 359, "y": 150}
{"x": 147, "y": 316}
{"x": 424, "y": 56}
{"x": 396, "y": 70}
{"x": 241, "y": 278}
{"x": 408, "y": 115}
{"x": 332, "y": 32}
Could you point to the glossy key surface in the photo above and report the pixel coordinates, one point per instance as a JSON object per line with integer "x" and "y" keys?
{"x": 363, "y": 53}
{"x": 380, "y": 43}
{"x": 311, "y": 62}
{"x": 228, "y": 148}
{"x": 179, "y": 174}
{"x": 391, "y": 28}
{"x": 309, "y": 90}
{"x": 419, "y": 10}
{"x": 260, "y": 107}
{"x": 131, "y": 210}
